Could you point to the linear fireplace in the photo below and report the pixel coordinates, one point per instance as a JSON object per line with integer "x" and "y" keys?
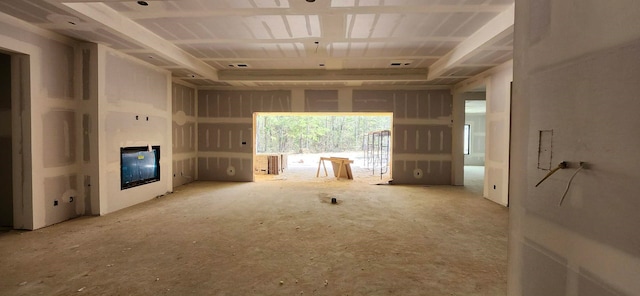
{"x": 139, "y": 165}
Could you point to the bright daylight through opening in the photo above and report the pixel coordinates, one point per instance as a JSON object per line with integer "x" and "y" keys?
{"x": 291, "y": 145}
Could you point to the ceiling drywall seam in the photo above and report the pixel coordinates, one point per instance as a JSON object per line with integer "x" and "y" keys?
{"x": 496, "y": 29}
{"x": 136, "y": 33}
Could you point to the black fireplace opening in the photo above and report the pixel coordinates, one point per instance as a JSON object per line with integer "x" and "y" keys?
{"x": 139, "y": 165}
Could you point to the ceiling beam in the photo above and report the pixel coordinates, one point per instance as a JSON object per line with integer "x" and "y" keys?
{"x": 496, "y": 29}
{"x": 141, "y": 14}
{"x": 324, "y": 40}
{"x": 136, "y": 33}
{"x": 323, "y": 75}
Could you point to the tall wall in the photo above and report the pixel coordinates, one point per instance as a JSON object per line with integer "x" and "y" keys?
{"x": 497, "y": 83}
{"x": 134, "y": 110}
{"x": 422, "y": 127}
{"x": 576, "y": 71}
{"x": 45, "y": 125}
{"x": 421, "y": 132}
{"x": 184, "y": 134}
{"x": 225, "y": 130}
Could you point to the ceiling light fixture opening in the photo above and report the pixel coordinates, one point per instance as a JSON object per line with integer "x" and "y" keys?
{"x": 238, "y": 65}
{"x": 311, "y": 1}
{"x": 143, "y": 3}
{"x": 400, "y": 63}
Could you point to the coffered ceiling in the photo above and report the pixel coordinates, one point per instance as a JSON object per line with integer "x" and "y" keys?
{"x": 292, "y": 42}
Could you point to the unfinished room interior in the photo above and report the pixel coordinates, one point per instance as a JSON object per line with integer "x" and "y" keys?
{"x": 131, "y": 162}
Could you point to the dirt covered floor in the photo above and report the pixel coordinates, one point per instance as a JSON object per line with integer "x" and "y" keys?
{"x": 277, "y": 236}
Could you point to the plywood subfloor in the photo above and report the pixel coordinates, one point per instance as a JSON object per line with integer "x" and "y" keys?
{"x": 278, "y": 237}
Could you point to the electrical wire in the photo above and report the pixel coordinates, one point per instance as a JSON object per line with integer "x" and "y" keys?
{"x": 561, "y": 165}
{"x": 569, "y": 183}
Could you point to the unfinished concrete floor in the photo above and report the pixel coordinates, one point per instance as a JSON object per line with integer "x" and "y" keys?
{"x": 274, "y": 237}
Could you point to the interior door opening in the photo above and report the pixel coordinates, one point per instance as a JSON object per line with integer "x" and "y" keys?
{"x": 6, "y": 147}
{"x": 298, "y": 146}
{"x": 474, "y": 145}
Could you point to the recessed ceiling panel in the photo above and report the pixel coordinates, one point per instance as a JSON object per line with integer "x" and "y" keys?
{"x": 31, "y": 11}
{"x": 360, "y": 35}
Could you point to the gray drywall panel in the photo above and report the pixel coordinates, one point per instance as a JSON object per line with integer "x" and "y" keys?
{"x": 59, "y": 138}
{"x": 225, "y": 137}
{"x": 183, "y": 99}
{"x": 58, "y": 73}
{"x": 228, "y": 139}
{"x": 591, "y": 130}
{"x": 129, "y": 81}
{"x": 435, "y": 172}
{"x": 184, "y": 171}
{"x": 590, "y": 285}
{"x": 122, "y": 128}
{"x": 373, "y": 101}
{"x": 413, "y": 141}
{"x": 545, "y": 274}
{"x": 225, "y": 169}
{"x": 184, "y": 137}
{"x": 438, "y": 104}
{"x": 61, "y": 198}
{"x": 586, "y": 91}
{"x": 321, "y": 101}
{"x": 184, "y": 133}
{"x": 422, "y": 139}
{"x": 241, "y": 104}
{"x": 423, "y": 104}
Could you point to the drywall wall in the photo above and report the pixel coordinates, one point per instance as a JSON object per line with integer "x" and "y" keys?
{"x": 87, "y": 74}
{"x": 576, "y": 70}
{"x": 6, "y": 154}
{"x": 477, "y": 127}
{"x": 184, "y": 133}
{"x": 422, "y": 127}
{"x": 321, "y": 100}
{"x": 46, "y": 175}
{"x": 421, "y": 132}
{"x": 497, "y": 85}
{"x": 134, "y": 110}
{"x": 225, "y": 130}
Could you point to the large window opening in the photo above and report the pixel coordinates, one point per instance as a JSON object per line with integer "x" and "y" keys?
{"x": 291, "y": 145}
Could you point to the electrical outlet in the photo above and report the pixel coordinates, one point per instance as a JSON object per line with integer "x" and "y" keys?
{"x": 55, "y": 203}
{"x": 70, "y": 198}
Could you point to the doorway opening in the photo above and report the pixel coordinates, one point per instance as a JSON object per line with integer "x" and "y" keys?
{"x": 293, "y": 146}
{"x": 474, "y": 143}
{"x": 6, "y": 149}
{"x": 16, "y": 209}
